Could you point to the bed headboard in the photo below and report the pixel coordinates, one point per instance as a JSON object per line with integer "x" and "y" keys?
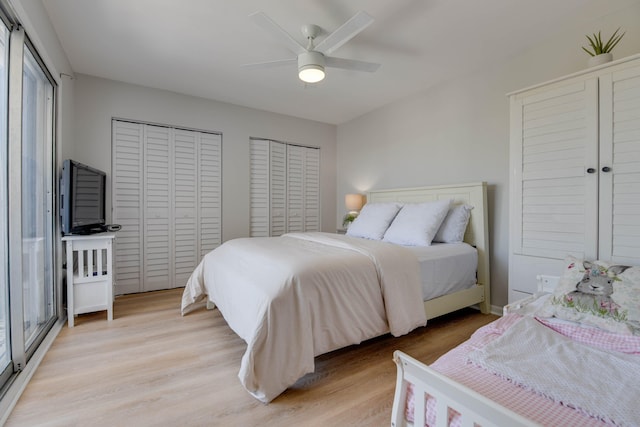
{"x": 474, "y": 194}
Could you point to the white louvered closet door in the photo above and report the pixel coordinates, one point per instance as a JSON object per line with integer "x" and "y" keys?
{"x": 277, "y": 188}
{"x": 295, "y": 188}
{"x": 210, "y": 193}
{"x": 259, "y": 188}
{"x": 555, "y": 207}
{"x": 127, "y": 205}
{"x": 185, "y": 205}
{"x": 311, "y": 212}
{"x": 158, "y": 204}
{"x": 167, "y": 197}
{"x": 285, "y": 188}
{"x": 620, "y": 151}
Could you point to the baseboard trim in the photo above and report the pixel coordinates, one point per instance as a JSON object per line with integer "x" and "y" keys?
{"x": 496, "y": 309}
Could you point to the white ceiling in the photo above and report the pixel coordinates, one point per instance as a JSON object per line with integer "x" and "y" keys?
{"x": 198, "y": 47}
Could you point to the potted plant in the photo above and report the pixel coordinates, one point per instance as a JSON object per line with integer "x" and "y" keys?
{"x": 601, "y": 51}
{"x": 348, "y": 219}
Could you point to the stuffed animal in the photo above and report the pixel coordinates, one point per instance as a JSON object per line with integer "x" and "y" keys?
{"x": 594, "y": 290}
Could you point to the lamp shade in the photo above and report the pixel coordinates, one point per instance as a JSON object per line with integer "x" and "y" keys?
{"x": 354, "y": 202}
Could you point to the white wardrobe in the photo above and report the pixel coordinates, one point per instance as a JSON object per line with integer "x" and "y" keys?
{"x": 575, "y": 172}
{"x": 285, "y": 188}
{"x": 166, "y": 194}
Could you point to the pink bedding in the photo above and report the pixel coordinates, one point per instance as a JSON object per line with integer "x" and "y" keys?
{"x": 527, "y": 403}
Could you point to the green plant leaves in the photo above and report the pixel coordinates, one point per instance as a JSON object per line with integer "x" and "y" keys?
{"x": 598, "y": 47}
{"x": 613, "y": 41}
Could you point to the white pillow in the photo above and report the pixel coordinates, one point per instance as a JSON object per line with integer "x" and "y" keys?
{"x": 417, "y": 223}
{"x": 454, "y": 225}
{"x": 373, "y": 220}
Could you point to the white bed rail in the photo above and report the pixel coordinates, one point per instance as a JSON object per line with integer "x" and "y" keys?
{"x": 473, "y": 408}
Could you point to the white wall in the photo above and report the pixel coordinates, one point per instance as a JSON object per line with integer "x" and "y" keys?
{"x": 97, "y": 101}
{"x": 458, "y": 132}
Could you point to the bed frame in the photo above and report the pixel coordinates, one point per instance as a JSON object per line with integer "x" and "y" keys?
{"x": 477, "y": 235}
{"x": 474, "y": 408}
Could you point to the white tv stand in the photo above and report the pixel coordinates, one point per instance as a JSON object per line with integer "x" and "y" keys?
{"x": 89, "y": 281}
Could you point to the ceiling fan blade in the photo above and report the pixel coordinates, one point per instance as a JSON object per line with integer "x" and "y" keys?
{"x": 346, "y": 32}
{"x": 351, "y": 64}
{"x": 270, "y": 64}
{"x": 268, "y": 24}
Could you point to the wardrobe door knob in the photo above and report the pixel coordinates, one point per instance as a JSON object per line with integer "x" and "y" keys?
{"x": 591, "y": 170}
{"x": 606, "y": 169}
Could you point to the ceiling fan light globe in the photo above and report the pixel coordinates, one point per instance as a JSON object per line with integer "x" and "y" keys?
{"x": 311, "y": 73}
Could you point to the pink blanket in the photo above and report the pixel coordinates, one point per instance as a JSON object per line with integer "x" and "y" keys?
{"x": 529, "y": 404}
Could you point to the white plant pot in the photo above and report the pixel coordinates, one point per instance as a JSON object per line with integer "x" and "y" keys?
{"x": 603, "y": 58}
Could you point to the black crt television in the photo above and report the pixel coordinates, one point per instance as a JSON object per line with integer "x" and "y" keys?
{"x": 82, "y": 198}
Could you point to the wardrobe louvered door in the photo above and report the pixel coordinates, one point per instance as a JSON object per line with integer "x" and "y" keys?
{"x": 167, "y": 197}
{"x": 620, "y": 151}
{"x": 575, "y": 183}
{"x": 558, "y": 211}
{"x": 285, "y": 188}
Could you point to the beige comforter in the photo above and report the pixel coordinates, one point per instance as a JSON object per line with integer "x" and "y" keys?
{"x": 294, "y": 297}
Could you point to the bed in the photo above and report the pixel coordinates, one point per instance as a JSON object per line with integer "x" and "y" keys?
{"x": 486, "y": 381}
{"x": 300, "y": 295}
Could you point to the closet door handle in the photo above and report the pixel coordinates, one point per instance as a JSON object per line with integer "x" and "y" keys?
{"x": 591, "y": 170}
{"x": 606, "y": 169}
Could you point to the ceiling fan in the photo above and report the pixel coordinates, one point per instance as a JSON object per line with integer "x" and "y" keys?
{"x": 313, "y": 59}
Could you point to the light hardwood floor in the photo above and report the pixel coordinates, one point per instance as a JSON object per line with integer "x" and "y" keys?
{"x": 152, "y": 367}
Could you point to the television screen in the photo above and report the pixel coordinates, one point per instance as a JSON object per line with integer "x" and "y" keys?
{"x": 82, "y": 198}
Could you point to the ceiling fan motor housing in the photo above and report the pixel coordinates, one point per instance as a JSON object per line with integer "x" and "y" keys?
{"x": 311, "y": 58}
{"x": 311, "y": 66}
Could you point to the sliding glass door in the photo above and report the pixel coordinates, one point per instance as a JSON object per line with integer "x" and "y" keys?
{"x": 6, "y": 367}
{"x": 28, "y": 297}
{"x": 37, "y": 200}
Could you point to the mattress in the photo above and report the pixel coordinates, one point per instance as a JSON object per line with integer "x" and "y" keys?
{"x": 446, "y": 268}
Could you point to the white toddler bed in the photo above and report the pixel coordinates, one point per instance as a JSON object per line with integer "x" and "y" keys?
{"x": 455, "y": 391}
{"x": 449, "y": 395}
